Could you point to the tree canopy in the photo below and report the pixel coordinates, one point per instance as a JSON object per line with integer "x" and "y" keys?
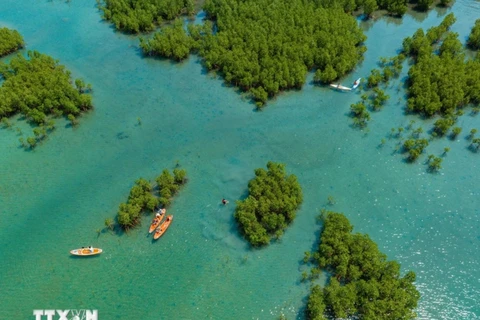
{"x": 170, "y": 42}
{"x": 271, "y": 204}
{"x": 168, "y": 184}
{"x": 474, "y": 37}
{"x": 363, "y": 284}
{"x": 441, "y": 79}
{"x": 143, "y": 196}
{"x": 10, "y": 41}
{"x": 40, "y": 88}
{"x": 140, "y": 198}
{"x": 136, "y": 16}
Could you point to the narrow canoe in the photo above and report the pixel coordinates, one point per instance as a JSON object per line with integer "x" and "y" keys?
{"x": 340, "y": 87}
{"x": 86, "y": 252}
{"x": 156, "y": 221}
{"x": 163, "y": 227}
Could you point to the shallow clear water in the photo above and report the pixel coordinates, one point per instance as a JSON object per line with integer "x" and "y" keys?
{"x": 55, "y": 198}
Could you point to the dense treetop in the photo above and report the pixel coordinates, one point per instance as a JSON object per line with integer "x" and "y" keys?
{"x": 168, "y": 184}
{"x": 40, "y": 86}
{"x": 10, "y": 41}
{"x": 170, "y": 42}
{"x": 271, "y": 204}
{"x": 143, "y": 196}
{"x": 441, "y": 79}
{"x": 136, "y": 16}
{"x": 474, "y": 38}
{"x": 140, "y": 198}
{"x": 363, "y": 284}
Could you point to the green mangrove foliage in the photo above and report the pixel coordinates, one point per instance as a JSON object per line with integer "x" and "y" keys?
{"x": 264, "y": 48}
{"x": 271, "y": 204}
{"x": 136, "y": 16}
{"x": 474, "y": 37}
{"x": 360, "y": 114}
{"x": 434, "y": 163}
{"x": 363, "y": 284}
{"x": 10, "y": 41}
{"x": 441, "y": 126}
{"x": 440, "y": 83}
{"x": 140, "y": 198}
{"x": 168, "y": 184}
{"x": 40, "y": 87}
{"x": 415, "y": 148}
{"x": 375, "y": 98}
{"x": 170, "y": 42}
{"x": 391, "y": 68}
{"x": 475, "y": 144}
{"x": 143, "y": 196}
{"x": 378, "y": 99}
{"x": 393, "y": 7}
{"x": 455, "y": 132}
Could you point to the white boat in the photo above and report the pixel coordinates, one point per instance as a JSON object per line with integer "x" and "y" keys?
{"x": 340, "y": 87}
{"x": 86, "y": 251}
{"x": 356, "y": 83}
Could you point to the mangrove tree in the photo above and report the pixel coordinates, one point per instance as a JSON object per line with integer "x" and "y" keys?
{"x": 363, "y": 283}
{"x": 10, "y": 41}
{"x": 273, "y": 198}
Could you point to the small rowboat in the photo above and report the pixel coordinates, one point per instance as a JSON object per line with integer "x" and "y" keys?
{"x": 163, "y": 227}
{"x": 86, "y": 251}
{"x": 156, "y": 220}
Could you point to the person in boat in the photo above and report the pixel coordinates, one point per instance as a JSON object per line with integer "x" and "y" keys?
{"x": 157, "y": 215}
{"x": 224, "y": 201}
{"x": 90, "y": 248}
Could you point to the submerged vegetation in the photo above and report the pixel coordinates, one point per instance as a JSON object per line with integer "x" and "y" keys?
{"x": 143, "y": 196}
{"x": 363, "y": 284}
{"x": 40, "y": 88}
{"x": 10, "y": 41}
{"x": 271, "y": 204}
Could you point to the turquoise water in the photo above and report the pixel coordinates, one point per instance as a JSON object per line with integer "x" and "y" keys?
{"x": 55, "y": 198}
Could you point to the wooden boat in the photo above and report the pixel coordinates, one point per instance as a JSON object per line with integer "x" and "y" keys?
{"x": 156, "y": 220}
{"x": 86, "y": 251}
{"x": 163, "y": 227}
{"x": 340, "y": 87}
{"x": 356, "y": 83}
